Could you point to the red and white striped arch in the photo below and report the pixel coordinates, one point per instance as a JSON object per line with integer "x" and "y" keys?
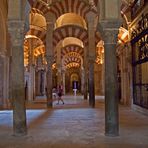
{"x": 72, "y": 59}
{"x": 69, "y": 6}
{"x": 40, "y": 5}
{"x": 72, "y": 48}
{"x": 70, "y": 31}
{"x": 61, "y": 7}
{"x": 63, "y": 32}
{"x": 34, "y": 10}
{"x": 41, "y": 34}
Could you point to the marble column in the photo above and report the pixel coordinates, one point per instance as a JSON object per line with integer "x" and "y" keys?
{"x": 16, "y": 30}
{"x": 63, "y": 80}
{"x": 49, "y": 57}
{"x": 31, "y": 73}
{"x": 85, "y": 73}
{"x": 91, "y": 83}
{"x": 91, "y": 56}
{"x": 103, "y": 79}
{"x": 59, "y": 64}
{"x": 49, "y": 80}
{"x": 82, "y": 80}
{"x": 111, "y": 92}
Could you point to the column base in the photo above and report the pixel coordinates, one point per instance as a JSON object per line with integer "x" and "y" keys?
{"x": 112, "y": 135}
{"x": 49, "y": 105}
{"x": 19, "y": 134}
{"x": 92, "y": 104}
{"x": 20, "y": 129}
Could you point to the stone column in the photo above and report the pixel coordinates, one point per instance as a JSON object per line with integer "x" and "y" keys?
{"x": 85, "y": 73}
{"x": 111, "y": 93}
{"x": 63, "y": 77}
{"x": 103, "y": 79}
{"x": 49, "y": 80}
{"x": 123, "y": 78}
{"x": 91, "y": 56}
{"x": 49, "y": 56}
{"x": 82, "y": 80}
{"x": 16, "y": 30}
{"x": 31, "y": 72}
{"x": 91, "y": 83}
{"x": 59, "y": 64}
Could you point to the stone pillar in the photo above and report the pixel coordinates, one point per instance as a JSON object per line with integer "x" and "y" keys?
{"x": 63, "y": 80}
{"x": 49, "y": 57}
{"x": 85, "y": 73}
{"x": 82, "y": 79}
{"x": 111, "y": 92}
{"x": 59, "y": 64}
{"x": 16, "y": 30}
{"x": 91, "y": 83}
{"x": 123, "y": 78}
{"x": 31, "y": 73}
{"x": 49, "y": 80}
{"x": 103, "y": 79}
{"x": 91, "y": 56}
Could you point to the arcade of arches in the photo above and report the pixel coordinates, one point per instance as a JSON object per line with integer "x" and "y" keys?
{"x": 99, "y": 44}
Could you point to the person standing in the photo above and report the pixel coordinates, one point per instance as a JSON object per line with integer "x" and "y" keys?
{"x": 54, "y": 92}
{"x": 60, "y": 93}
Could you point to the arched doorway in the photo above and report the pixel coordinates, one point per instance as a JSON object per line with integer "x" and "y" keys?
{"x": 74, "y": 81}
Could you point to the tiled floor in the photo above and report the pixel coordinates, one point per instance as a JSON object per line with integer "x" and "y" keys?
{"x": 74, "y": 125}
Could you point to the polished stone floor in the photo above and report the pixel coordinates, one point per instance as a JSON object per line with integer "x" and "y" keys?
{"x": 74, "y": 125}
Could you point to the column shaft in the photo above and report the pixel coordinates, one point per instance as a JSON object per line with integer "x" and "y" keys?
{"x": 16, "y": 29}
{"x": 49, "y": 81}
{"x": 111, "y": 95}
{"x": 91, "y": 84}
{"x": 91, "y": 60}
{"x": 49, "y": 58}
{"x": 85, "y": 74}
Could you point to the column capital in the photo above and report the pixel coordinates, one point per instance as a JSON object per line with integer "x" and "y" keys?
{"x": 50, "y": 17}
{"x": 110, "y": 36}
{"x": 92, "y": 19}
{"x": 109, "y": 30}
{"x": 16, "y": 30}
